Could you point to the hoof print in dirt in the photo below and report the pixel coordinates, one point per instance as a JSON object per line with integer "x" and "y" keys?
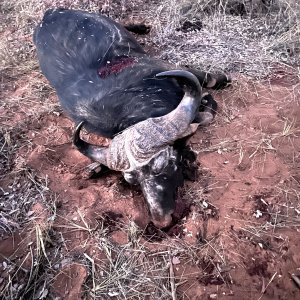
{"x": 71, "y": 278}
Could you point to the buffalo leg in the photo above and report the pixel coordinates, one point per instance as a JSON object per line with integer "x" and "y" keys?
{"x": 207, "y": 80}
{"x": 207, "y": 110}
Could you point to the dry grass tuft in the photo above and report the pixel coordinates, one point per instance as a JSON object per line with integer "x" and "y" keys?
{"x": 19, "y": 196}
{"x": 134, "y": 271}
{"x": 236, "y": 36}
{"x": 20, "y": 187}
{"x": 128, "y": 273}
{"x": 32, "y": 282}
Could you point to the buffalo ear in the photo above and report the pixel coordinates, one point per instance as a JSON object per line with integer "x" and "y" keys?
{"x": 190, "y": 131}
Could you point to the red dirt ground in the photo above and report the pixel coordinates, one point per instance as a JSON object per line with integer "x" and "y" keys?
{"x": 247, "y": 165}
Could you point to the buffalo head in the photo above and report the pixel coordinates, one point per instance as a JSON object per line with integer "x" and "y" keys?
{"x": 144, "y": 152}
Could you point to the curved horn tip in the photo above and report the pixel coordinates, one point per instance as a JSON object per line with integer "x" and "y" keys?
{"x": 187, "y": 77}
{"x": 76, "y": 136}
{"x": 79, "y": 125}
{"x": 177, "y": 73}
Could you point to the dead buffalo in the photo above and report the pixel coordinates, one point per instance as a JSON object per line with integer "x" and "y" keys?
{"x": 107, "y": 83}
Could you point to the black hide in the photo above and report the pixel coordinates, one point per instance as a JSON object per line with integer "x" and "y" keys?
{"x": 101, "y": 74}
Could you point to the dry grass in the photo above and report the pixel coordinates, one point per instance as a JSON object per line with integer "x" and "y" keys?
{"x": 250, "y": 44}
{"x": 127, "y": 273}
{"x": 32, "y": 283}
{"x": 8, "y": 147}
{"x": 134, "y": 271}
{"x": 21, "y": 187}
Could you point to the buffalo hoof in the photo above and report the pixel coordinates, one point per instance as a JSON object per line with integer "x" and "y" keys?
{"x": 219, "y": 81}
{"x": 208, "y": 104}
{"x": 207, "y": 110}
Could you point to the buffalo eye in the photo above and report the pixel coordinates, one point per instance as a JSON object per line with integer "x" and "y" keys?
{"x": 159, "y": 164}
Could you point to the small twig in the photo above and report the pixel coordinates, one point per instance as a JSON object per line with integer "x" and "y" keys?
{"x": 263, "y": 291}
{"x": 263, "y": 287}
{"x": 172, "y": 279}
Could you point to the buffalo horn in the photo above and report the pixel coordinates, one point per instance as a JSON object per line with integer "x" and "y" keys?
{"x": 93, "y": 152}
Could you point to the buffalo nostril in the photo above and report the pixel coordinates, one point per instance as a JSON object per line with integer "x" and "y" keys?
{"x": 162, "y": 222}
